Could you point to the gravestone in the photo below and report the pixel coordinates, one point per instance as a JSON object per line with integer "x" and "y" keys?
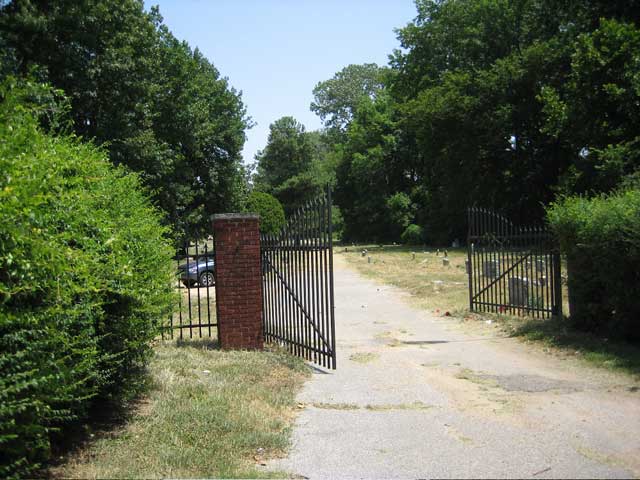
{"x": 445, "y": 261}
{"x": 518, "y": 291}
{"x": 491, "y": 268}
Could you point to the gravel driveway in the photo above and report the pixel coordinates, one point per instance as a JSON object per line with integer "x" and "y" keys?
{"x": 422, "y": 396}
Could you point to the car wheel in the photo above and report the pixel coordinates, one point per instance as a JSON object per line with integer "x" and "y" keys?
{"x": 188, "y": 283}
{"x": 207, "y": 279}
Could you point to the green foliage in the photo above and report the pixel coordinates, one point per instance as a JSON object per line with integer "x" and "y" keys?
{"x": 601, "y": 238}
{"x": 159, "y": 107}
{"x": 492, "y": 102}
{"x": 337, "y": 221}
{"x": 85, "y": 272}
{"x": 270, "y": 210}
{"x": 400, "y": 211}
{"x": 336, "y": 99}
{"x": 413, "y": 235}
{"x": 295, "y": 166}
{"x": 370, "y": 172}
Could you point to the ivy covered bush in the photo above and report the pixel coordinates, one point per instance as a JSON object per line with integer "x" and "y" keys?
{"x": 85, "y": 270}
{"x": 270, "y": 210}
{"x": 601, "y": 238}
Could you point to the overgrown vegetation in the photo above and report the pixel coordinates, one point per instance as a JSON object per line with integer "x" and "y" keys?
{"x": 209, "y": 414}
{"x": 85, "y": 274}
{"x": 601, "y": 238}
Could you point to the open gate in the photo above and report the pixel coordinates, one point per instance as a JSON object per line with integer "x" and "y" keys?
{"x": 297, "y": 268}
{"x": 512, "y": 269}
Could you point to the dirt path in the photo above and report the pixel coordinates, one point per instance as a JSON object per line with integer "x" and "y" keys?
{"x": 416, "y": 396}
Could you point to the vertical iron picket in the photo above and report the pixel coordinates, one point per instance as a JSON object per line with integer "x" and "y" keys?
{"x": 298, "y": 284}
{"x": 514, "y": 269}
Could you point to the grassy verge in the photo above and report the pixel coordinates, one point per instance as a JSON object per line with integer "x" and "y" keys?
{"x": 209, "y": 413}
{"x": 558, "y": 334}
{"x": 441, "y": 289}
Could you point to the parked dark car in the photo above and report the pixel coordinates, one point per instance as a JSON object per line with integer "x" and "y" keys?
{"x": 200, "y": 272}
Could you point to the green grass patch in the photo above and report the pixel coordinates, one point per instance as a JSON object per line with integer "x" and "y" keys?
{"x": 209, "y": 413}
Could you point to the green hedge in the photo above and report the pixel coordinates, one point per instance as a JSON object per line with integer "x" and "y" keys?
{"x": 601, "y": 238}
{"x": 85, "y": 270}
{"x": 270, "y": 211}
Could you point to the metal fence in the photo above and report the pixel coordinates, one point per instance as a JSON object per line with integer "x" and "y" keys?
{"x": 512, "y": 269}
{"x": 298, "y": 284}
{"x": 195, "y": 312}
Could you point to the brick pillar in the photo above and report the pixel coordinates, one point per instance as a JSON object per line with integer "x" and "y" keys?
{"x": 238, "y": 281}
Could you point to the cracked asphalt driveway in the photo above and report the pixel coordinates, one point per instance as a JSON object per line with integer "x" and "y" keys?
{"x": 419, "y": 396}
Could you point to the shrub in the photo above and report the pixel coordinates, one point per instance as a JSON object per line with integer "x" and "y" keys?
{"x": 85, "y": 272}
{"x": 270, "y": 211}
{"x": 601, "y": 238}
{"x": 413, "y": 235}
{"x": 338, "y": 221}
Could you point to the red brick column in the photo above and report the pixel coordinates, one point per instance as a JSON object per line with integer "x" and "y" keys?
{"x": 238, "y": 281}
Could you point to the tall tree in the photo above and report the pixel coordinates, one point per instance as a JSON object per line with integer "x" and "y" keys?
{"x": 159, "y": 107}
{"x": 295, "y": 165}
{"x": 336, "y": 99}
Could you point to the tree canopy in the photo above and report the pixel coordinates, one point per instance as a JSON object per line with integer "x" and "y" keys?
{"x": 295, "y": 165}
{"x": 161, "y": 108}
{"x": 336, "y": 99}
{"x": 494, "y": 102}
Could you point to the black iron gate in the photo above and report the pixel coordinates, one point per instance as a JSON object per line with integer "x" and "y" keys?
{"x": 512, "y": 269}
{"x": 297, "y": 284}
{"x": 194, "y": 315}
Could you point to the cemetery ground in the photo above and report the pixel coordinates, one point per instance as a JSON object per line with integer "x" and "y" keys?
{"x": 442, "y": 290}
{"x": 205, "y": 413}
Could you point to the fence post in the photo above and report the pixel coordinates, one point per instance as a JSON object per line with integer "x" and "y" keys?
{"x": 238, "y": 281}
{"x": 557, "y": 283}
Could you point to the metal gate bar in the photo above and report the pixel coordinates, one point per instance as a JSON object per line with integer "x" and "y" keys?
{"x": 512, "y": 269}
{"x": 298, "y": 296}
{"x": 194, "y": 315}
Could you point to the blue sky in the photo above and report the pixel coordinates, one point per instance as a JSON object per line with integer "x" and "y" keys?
{"x": 276, "y": 51}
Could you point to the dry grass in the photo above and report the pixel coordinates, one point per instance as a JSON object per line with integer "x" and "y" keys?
{"x": 444, "y": 290}
{"x": 432, "y": 285}
{"x": 364, "y": 357}
{"x": 196, "y": 305}
{"x": 211, "y": 413}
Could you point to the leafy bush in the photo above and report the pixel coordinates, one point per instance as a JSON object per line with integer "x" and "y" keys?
{"x": 601, "y": 238}
{"x": 337, "y": 220}
{"x": 270, "y": 211}
{"x": 413, "y": 235}
{"x": 85, "y": 273}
